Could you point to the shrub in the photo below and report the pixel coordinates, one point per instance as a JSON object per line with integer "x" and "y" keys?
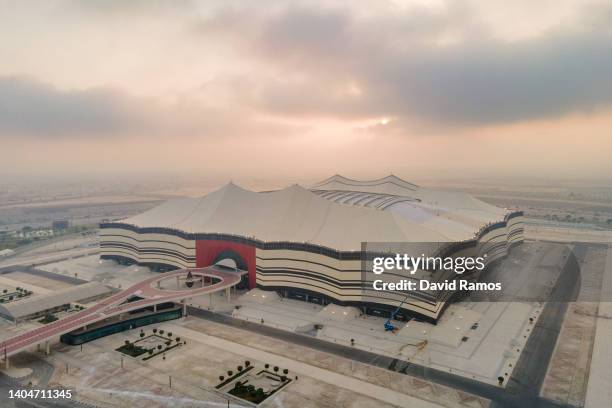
{"x": 239, "y": 368}
{"x": 230, "y": 373}
{"x": 267, "y": 366}
{"x": 247, "y": 363}
{"x": 221, "y": 378}
{"x": 276, "y": 369}
{"x": 285, "y": 371}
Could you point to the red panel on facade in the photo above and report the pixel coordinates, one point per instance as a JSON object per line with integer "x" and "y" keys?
{"x": 208, "y": 250}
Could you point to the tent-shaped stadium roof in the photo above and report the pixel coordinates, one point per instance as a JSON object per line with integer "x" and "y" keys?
{"x": 455, "y": 213}
{"x": 296, "y": 214}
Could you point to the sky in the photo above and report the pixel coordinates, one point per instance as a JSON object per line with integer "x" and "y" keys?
{"x": 307, "y": 89}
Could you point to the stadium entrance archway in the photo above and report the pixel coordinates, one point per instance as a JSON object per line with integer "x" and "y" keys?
{"x": 211, "y": 252}
{"x": 232, "y": 261}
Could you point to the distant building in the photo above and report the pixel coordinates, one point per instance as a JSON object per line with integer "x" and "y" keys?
{"x": 40, "y": 305}
{"x": 6, "y": 252}
{"x": 7, "y": 233}
{"x": 59, "y": 225}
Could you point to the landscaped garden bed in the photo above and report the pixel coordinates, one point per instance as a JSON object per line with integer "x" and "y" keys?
{"x": 151, "y": 345}
{"x": 48, "y": 318}
{"x": 7, "y": 295}
{"x": 252, "y": 385}
{"x": 131, "y": 349}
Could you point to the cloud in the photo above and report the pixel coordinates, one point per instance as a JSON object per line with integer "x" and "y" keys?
{"x": 239, "y": 68}
{"x": 28, "y": 107}
{"x": 440, "y": 66}
{"x": 495, "y": 82}
{"x": 132, "y": 9}
{"x": 34, "y": 109}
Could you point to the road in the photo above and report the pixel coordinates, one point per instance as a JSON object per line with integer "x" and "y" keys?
{"x": 528, "y": 375}
{"x": 46, "y": 274}
{"x": 523, "y": 388}
{"x": 43, "y": 259}
{"x": 117, "y": 304}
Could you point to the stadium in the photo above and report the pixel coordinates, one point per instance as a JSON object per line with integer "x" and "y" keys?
{"x": 309, "y": 243}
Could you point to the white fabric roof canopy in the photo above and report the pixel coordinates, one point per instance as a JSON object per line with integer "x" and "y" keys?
{"x": 296, "y": 214}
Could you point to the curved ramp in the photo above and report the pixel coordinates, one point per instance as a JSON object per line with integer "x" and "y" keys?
{"x": 117, "y": 304}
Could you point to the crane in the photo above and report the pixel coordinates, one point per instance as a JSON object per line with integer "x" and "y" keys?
{"x": 388, "y": 325}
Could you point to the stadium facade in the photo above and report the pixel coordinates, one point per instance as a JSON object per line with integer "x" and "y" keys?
{"x": 308, "y": 243}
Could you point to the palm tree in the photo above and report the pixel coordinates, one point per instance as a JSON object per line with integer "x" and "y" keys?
{"x": 276, "y": 369}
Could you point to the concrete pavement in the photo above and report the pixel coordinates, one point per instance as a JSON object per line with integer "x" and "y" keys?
{"x": 297, "y": 367}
